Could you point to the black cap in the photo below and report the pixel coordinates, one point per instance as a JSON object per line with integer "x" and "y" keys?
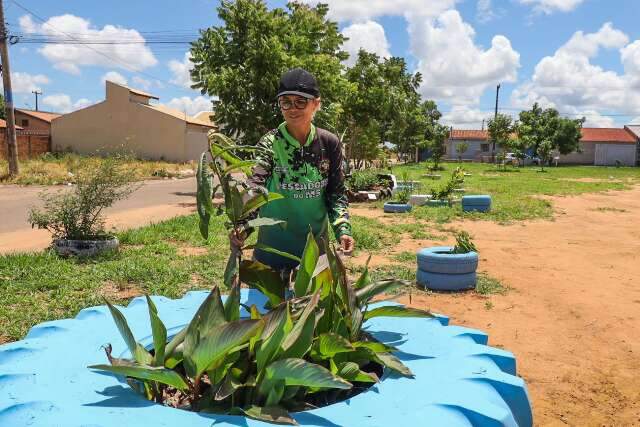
{"x": 298, "y": 82}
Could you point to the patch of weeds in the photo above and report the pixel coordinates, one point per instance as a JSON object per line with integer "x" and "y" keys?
{"x": 405, "y": 256}
{"x": 488, "y": 305}
{"x": 371, "y": 234}
{"x": 487, "y": 285}
{"x": 609, "y": 209}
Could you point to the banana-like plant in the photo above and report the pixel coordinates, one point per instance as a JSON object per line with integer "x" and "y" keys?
{"x": 456, "y": 180}
{"x": 240, "y": 204}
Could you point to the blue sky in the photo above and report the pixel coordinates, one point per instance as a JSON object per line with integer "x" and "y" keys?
{"x": 579, "y": 56}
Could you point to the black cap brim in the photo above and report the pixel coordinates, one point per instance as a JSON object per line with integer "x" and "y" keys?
{"x": 295, "y": 92}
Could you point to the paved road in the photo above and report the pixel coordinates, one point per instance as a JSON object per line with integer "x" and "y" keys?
{"x": 155, "y": 201}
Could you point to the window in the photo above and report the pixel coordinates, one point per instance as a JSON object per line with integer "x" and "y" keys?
{"x": 484, "y": 148}
{"x": 25, "y": 123}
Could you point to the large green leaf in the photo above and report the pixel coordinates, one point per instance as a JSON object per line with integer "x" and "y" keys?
{"x": 393, "y": 363}
{"x": 298, "y": 372}
{"x": 275, "y": 393}
{"x": 209, "y": 316}
{"x": 240, "y": 164}
{"x": 257, "y": 201}
{"x": 330, "y": 344}
{"x": 219, "y": 342}
{"x": 231, "y": 269}
{"x": 277, "y": 326}
{"x": 365, "y": 294}
{"x": 204, "y": 194}
{"x": 159, "y": 333}
{"x": 232, "y": 304}
{"x": 271, "y": 414}
{"x": 271, "y": 250}
{"x": 152, "y": 373}
{"x": 265, "y": 279}
{"x": 299, "y": 340}
{"x": 265, "y": 222}
{"x": 350, "y": 371}
{"x": 363, "y": 280}
{"x": 396, "y": 311}
{"x": 172, "y": 348}
{"x": 236, "y": 207}
{"x": 138, "y": 352}
{"x": 375, "y": 346}
{"x": 307, "y": 266}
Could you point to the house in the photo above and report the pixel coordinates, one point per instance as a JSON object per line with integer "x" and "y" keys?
{"x": 36, "y": 121}
{"x": 635, "y": 129}
{"x": 477, "y": 142}
{"x": 605, "y": 147}
{"x": 126, "y": 120}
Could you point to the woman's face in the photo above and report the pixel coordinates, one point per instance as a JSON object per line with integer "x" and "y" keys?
{"x": 297, "y": 110}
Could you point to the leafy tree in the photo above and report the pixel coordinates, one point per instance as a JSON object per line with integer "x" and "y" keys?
{"x": 241, "y": 61}
{"x": 461, "y": 149}
{"x": 544, "y": 152}
{"x": 567, "y": 136}
{"x": 436, "y": 136}
{"x": 500, "y": 130}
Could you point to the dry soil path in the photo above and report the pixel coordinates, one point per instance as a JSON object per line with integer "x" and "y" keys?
{"x": 155, "y": 201}
{"x": 572, "y": 317}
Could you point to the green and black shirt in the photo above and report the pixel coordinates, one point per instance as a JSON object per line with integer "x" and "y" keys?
{"x": 311, "y": 179}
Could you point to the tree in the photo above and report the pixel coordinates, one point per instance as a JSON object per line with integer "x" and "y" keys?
{"x": 538, "y": 126}
{"x": 500, "y": 131}
{"x": 544, "y": 152}
{"x": 3, "y": 114}
{"x": 241, "y": 61}
{"x": 461, "y": 149}
{"x": 436, "y": 136}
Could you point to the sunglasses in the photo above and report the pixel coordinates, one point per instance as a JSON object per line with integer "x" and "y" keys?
{"x": 299, "y": 103}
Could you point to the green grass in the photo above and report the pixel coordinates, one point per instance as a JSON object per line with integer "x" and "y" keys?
{"x": 370, "y": 234}
{"x": 515, "y": 192}
{"x": 404, "y": 257}
{"x": 42, "y": 286}
{"x": 488, "y": 285}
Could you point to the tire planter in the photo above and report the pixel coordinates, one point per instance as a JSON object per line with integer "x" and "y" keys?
{"x": 394, "y": 207}
{"x": 446, "y": 282}
{"x": 479, "y": 203}
{"x": 459, "y": 380}
{"x": 439, "y": 259}
{"x": 84, "y": 248}
{"x": 419, "y": 199}
{"x": 440, "y": 270}
{"x": 437, "y": 203}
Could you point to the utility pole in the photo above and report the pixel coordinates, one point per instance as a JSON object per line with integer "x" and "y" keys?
{"x": 36, "y": 93}
{"x": 12, "y": 144}
{"x": 495, "y": 116}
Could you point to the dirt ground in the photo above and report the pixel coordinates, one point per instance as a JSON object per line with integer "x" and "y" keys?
{"x": 572, "y": 315}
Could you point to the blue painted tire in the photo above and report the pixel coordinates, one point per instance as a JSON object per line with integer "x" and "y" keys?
{"x": 446, "y": 282}
{"x": 438, "y": 203}
{"x": 439, "y": 259}
{"x": 475, "y": 200}
{"x": 397, "y": 207}
{"x": 459, "y": 380}
{"x": 466, "y": 208}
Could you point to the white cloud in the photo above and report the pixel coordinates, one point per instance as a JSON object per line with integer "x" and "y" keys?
{"x": 25, "y": 82}
{"x": 358, "y": 10}
{"x": 190, "y": 105}
{"x": 141, "y": 83}
{"x": 71, "y": 57}
{"x": 463, "y": 117}
{"x": 485, "y": 12}
{"x": 114, "y": 76}
{"x": 61, "y": 103}
{"x": 181, "y": 70}
{"x": 550, "y": 6}
{"x": 571, "y": 83}
{"x": 453, "y": 67}
{"x": 597, "y": 120}
{"x": 367, "y": 35}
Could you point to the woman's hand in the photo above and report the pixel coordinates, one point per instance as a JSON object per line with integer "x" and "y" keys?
{"x": 236, "y": 240}
{"x": 347, "y": 244}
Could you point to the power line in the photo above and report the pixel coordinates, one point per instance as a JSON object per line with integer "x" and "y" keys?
{"x": 122, "y": 64}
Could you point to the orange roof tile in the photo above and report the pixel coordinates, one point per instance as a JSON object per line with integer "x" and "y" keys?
{"x": 468, "y": 134}
{"x": 608, "y": 135}
{"x": 3, "y": 124}
{"x": 42, "y": 115}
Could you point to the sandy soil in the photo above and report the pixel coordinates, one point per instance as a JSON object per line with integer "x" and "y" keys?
{"x": 572, "y": 316}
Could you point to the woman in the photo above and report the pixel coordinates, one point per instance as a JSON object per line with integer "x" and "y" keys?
{"x": 304, "y": 164}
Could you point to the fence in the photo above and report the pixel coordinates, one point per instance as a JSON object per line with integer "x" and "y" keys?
{"x": 30, "y": 143}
